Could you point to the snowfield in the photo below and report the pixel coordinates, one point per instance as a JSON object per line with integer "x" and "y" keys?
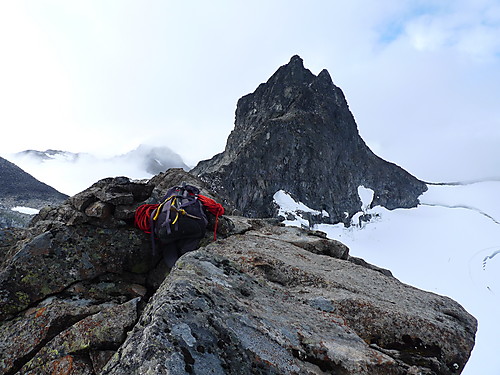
{"x": 449, "y": 244}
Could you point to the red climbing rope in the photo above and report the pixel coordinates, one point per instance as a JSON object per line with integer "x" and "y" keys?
{"x": 213, "y": 207}
{"x": 142, "y": 216}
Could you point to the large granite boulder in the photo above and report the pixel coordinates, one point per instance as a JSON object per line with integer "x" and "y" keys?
{"x": 296, "y": 133}
{"x": 74, "y": 282}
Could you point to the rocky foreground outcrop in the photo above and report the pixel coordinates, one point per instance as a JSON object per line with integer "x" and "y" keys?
{"x": 274, "y": 300}
{"x": 79, "y": 295}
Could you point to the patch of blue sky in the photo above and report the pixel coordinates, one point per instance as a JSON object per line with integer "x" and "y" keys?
{"x": 395, "y": 27}
{"x": 390, "y": 32}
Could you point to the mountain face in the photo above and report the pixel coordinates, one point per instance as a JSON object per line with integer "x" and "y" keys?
{"x": 296, "y": 133}
{"x": 19, "y": 185}
{"x": 18, "y": 188}
{"x": 83, "y": 293}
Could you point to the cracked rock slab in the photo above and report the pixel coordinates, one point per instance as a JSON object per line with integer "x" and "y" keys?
{"x": 100, "y": 331}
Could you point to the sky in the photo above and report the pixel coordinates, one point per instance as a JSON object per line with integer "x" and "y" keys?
{"x": 421, "y": 77}
{"x": 449, "y": 244}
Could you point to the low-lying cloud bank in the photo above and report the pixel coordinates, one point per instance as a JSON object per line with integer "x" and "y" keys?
{"x": 71, "y": 173}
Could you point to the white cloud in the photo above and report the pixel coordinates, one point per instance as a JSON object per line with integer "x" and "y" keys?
{"x": 36, "y": 91}
{"x": 72, "y": 173}
{"x": 471, "y": 29}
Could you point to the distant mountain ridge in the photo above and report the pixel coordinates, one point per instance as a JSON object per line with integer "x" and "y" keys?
{"x": 156, "y": 159}
{"x": 72, "y": 172}
{"x": 49, "y": 155}
{"x": 295, "y": 133}
{"x": 153, "y": 159}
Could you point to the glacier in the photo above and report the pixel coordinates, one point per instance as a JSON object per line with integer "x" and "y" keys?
{"x": 448, "y": 245}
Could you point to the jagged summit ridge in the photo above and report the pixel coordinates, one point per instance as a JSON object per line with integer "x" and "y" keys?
{"x": 296, "y": 133}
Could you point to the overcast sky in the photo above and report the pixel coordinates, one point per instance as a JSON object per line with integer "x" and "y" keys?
{"x": 422, "y": 78}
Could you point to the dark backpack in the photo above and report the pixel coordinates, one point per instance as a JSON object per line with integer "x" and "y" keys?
{"x": 179, "y": 222}
{"x": 180, "y": 215}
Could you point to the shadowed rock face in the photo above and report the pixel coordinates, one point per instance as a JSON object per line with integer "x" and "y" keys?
{"x": 296, "y": 133}
{"x": 79, "y": 295}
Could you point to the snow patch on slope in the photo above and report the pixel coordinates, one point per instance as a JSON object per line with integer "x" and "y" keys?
{"x": 25, "y": 210}
{"x": 295, "y": 213}
{"x": 366, "y": 196}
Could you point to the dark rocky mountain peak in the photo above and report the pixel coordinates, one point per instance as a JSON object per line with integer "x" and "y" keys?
{"x": 296, "y": 133}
